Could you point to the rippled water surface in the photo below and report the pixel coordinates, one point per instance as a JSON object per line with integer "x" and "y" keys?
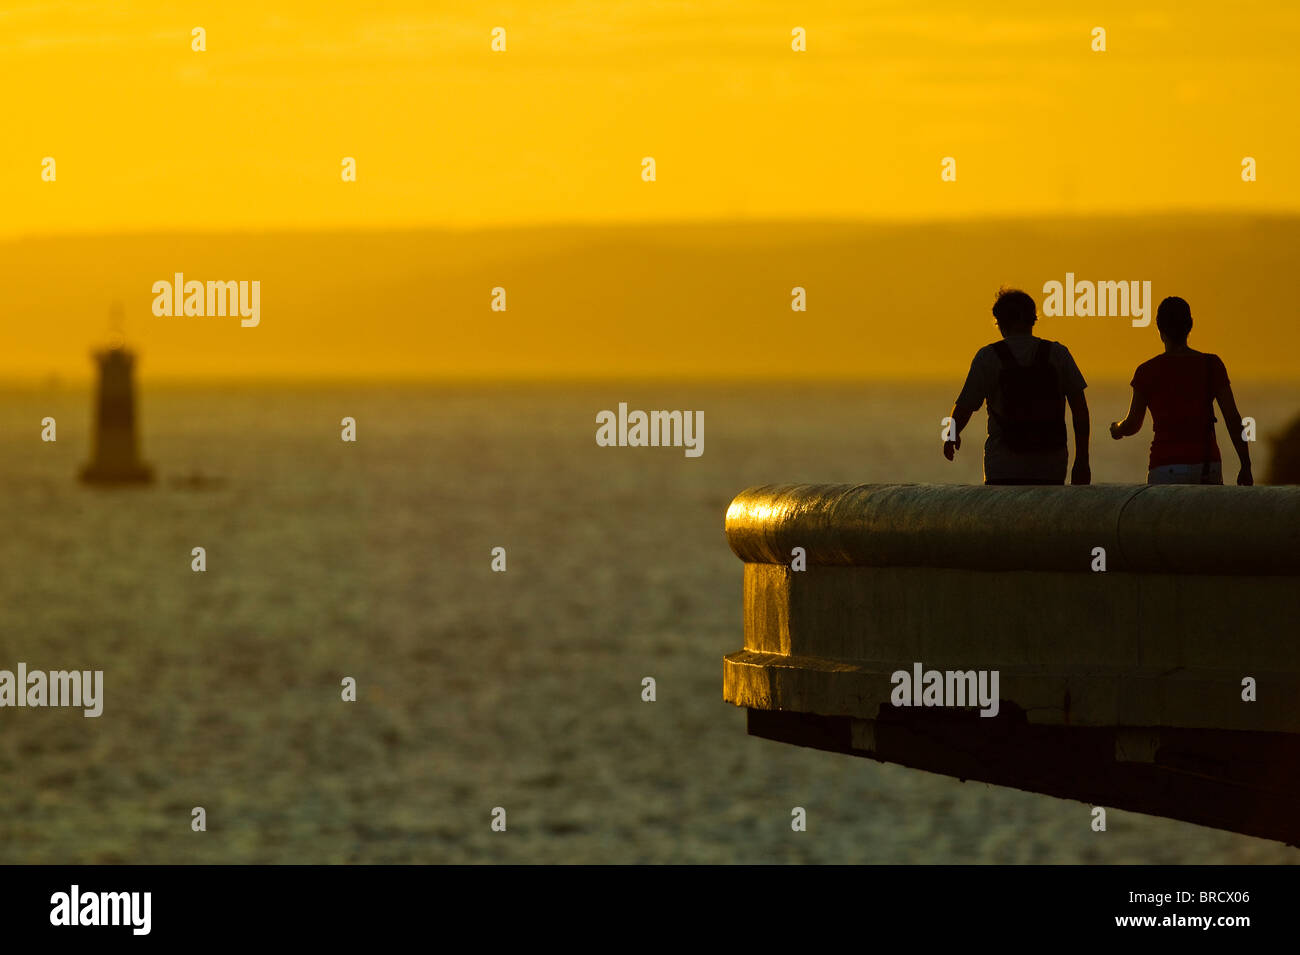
{"x": 476, "y": 689}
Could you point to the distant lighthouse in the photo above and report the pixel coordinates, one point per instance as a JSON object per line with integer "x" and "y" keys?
{"x": 115, "y": 457}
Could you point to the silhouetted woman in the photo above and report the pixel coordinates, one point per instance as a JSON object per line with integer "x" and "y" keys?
{"x": 1180, "y": 387}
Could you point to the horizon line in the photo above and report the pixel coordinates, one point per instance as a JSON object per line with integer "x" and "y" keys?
{"x": 27, "y": 382}
{"x": 1201, "y": 213}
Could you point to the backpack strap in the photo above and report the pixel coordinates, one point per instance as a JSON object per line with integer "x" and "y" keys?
{"x": 1005, "y": 354}
{"x": 1209, "y": 434}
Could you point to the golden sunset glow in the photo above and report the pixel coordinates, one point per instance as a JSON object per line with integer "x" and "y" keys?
{"x": 576, "y": 432}
{"x": 149, "y": 136}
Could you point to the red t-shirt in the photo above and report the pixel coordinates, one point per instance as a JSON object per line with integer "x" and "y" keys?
{"x": 1179, "y": 390}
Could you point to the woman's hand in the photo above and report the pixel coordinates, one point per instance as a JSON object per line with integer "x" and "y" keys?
{"x": 1245, "y": 478}
{"x": 1132, "y": 424}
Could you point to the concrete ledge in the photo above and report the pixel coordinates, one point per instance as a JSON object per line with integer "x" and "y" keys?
{"x": 1101, "y": 696}
{"x": 1182, "y": 529}
{"x": 964, "y": 618}
{"x": 1133, "y": 675}
{"x": 1242, "y": 782}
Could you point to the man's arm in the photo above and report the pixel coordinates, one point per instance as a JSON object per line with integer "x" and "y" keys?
{"x": 1072, "y": 384}
{"x": 1082, "y": 472}
{"x": 973, "y": 392}
{"x": 961, "y": 418}
{"x": 1132, "y": 424}
{"x": 1232, "y": 421}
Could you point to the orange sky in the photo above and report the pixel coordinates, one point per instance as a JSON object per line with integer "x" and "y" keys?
{"x": 148, "y": 134}
{"x": 152, "y": 138}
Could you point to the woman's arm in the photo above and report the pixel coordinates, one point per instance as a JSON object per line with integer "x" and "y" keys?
{"x": 1137, "y": 413}
{"x": 1232, "y": 421}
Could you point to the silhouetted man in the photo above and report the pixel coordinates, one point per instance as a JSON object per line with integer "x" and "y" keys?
{"x": 1026, "y": 382}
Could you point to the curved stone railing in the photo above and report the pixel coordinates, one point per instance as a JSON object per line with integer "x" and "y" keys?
{"x": 1187, "y": 641}
{"x": 1145, "y": 528}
